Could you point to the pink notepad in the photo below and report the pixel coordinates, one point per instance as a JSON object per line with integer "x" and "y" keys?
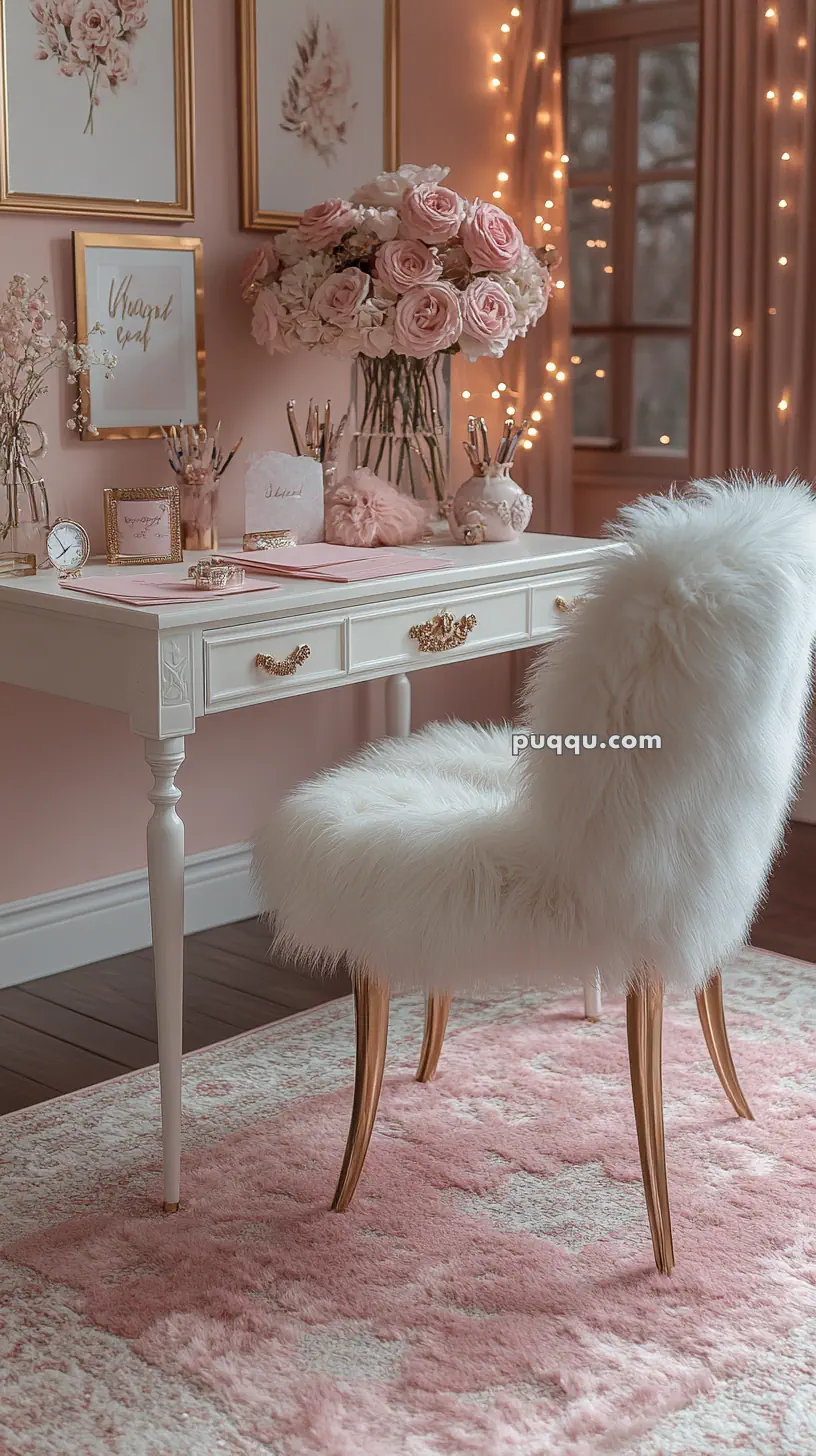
{"x": 338, "y": 563}
{"x": 159, "y": 590}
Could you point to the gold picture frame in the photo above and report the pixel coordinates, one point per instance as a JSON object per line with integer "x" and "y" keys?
{"x": 180, "y": 210}
{"x": 84, "y": 246}
{"x": 114, "y": 497}
{"x": 253, "y": 216}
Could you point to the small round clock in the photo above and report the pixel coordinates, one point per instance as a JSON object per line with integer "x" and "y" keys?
{"x": 68, "y": 547}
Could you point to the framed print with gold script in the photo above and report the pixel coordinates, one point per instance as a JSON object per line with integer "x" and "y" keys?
{"x": 147, "y": 296}
{"x": 96, "y": 110}
{"x": 319, "y": 102}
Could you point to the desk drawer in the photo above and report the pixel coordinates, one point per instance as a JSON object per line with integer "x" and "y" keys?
{"x": 383, "y": 639}
{"x": 552, "y": 600}
{"x": 232, "y": 674}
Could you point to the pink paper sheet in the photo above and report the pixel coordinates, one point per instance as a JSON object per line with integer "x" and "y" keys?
{"x": 158, "y": 589}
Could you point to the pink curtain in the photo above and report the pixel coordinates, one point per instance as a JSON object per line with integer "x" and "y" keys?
{"x": 755, "y": 372}
{"x": 534, "y": 117}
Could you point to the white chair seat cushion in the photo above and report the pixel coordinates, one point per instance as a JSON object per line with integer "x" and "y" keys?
{"x": 401, "y": 859}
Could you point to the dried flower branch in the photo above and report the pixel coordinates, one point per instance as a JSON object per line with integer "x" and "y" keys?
{"x": 28, "y": 353}
{"x": 317, "y": 104}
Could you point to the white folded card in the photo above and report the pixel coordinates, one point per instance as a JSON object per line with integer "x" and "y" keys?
{"x": 285, "y": 493}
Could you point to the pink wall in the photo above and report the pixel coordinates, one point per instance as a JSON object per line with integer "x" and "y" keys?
{"x": 73, "y": 783}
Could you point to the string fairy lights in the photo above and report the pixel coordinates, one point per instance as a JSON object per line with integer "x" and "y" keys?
{"x": 785, "y": 203}
{"x": 554, "y": 169}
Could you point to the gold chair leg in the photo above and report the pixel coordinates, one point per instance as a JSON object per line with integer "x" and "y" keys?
{"x": 436, "y": 1021}
{"x": 644, "y": 1025}
{"x": 371, "y": 1002}
{"x": 712, "y": 1020}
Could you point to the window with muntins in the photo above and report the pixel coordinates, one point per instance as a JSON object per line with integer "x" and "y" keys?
{"x": 630, "y": 94}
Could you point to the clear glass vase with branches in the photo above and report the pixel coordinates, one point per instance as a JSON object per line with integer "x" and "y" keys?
{"x": 28, "y": 354}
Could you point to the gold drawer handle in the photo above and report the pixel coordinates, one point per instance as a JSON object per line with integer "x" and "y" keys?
{"x": 442, "y": 632}
{"x": 562, "y": 605}
{"x": 288, "y": 666}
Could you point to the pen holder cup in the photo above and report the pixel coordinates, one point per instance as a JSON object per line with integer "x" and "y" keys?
{"x": 489, "y": 507}
{"x": 199, "y": 511}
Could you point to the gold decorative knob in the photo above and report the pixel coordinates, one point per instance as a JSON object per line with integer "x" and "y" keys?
{"x": 442, "y": 632}
{"x": 288, "y": 666}
{"x": 562, "y": 605}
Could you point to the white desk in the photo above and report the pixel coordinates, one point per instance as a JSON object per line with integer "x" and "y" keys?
{"x": 168, "y": 666}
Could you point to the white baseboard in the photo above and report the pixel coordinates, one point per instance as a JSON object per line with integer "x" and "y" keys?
{"x": 86, "y": 923}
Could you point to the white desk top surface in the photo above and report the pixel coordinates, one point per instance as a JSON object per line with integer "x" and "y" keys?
{"x": 532, "y": 555}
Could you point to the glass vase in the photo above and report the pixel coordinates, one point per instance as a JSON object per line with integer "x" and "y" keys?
{"x": 403, "y": 413}
{"x": 27, "y": 523}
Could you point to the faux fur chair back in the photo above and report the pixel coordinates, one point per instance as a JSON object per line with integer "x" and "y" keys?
{"x": 702, "y": 634}
{"x": 440, "y": 861}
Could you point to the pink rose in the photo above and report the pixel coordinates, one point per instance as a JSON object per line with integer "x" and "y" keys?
{"x": 431, "y": 214}
{"x": 488, "y": 317}
{"x": 491, "y": 238}
{"x": 340, "y": 297}
{"x": 403, "y": 263}
{"x": 428, "y": 319}
{"x": 323, "y": 226}
{"x": 95, "y": 25}
{"x": 133, "y": 14}
{"x": 265, "y": 320}
{"x": 65, "y": 11}
{"x": 258, "y": 266}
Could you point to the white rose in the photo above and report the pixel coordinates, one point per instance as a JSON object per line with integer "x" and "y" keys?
{"x": 389, "y": 188}
{"x": 380, "y": 223}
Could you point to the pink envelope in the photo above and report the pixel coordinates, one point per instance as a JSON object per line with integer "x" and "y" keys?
{"x": 158, "y": 589}
{"x": 347, "y": 564}
{"x": 291, "y": 560}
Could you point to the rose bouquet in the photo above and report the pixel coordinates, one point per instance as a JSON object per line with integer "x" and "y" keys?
{"x": 404, "y": 272}
{"x": 89, "y": 38}
{"x": 28, "y": 353}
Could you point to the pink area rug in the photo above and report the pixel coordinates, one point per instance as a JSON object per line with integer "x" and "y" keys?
{"x": 490, "y": 1293}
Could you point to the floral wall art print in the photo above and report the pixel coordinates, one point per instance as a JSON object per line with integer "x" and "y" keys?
{"x": 319, "y": 84}
{"x": 96, "y": 107}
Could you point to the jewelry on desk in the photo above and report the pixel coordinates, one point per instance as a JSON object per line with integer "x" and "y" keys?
{"x": 211, "y": 575}
{"x": 268, "y": 540}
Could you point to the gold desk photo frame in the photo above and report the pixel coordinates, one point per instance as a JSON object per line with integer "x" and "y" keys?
{"x": 168, "y": 495}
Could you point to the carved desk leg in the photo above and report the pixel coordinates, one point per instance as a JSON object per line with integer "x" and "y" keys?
{"x": 165, "y": 870}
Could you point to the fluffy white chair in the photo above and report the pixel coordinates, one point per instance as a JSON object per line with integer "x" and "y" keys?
{"x": 442, "y": 862}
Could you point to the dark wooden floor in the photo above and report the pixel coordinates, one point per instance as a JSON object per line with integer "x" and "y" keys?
{"x": 87, "y": 1025}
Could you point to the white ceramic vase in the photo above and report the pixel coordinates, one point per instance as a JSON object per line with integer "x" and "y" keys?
{"x": 489, "y": 507}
